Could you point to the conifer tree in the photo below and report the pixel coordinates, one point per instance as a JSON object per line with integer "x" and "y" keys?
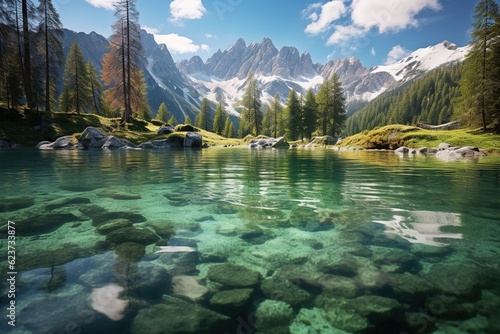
{"x": 219, "y": 118}
{"x": 187, "y": 120}
{"x": 50, "y": 47}
{"x": 293, "y": 112}
{"x": 310, "y": 114}
{"x": 162, "y": 114}
{"x": 76, "y": 95}
{"x": 97, "y": 94}
{"x": 202, "y": 120}
{"x": 273, "y": 118}
{"x": 479, "y": 87}
{"x": 121, "y": 65}
{"x": 331, "y": 106}
{"x": 172, "y": 121}
{"x": 251, "y": 115}
{"x": 228, "y": 128}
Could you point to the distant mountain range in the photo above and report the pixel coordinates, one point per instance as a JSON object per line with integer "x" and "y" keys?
{"x": 183, "y": 85}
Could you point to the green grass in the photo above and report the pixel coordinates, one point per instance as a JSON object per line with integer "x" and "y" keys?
{"x": 21, "y": 127}
{"x": 394, "y": 136}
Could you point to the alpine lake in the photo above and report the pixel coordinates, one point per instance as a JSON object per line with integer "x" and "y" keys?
{"x": 234, "y": 240}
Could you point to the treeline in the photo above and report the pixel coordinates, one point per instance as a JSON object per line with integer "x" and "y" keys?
{"x": 469, "y": 91}
{"x": 31, "y": 57}
{"x": 429, "y": 100}
{"x": 300, "y": 117}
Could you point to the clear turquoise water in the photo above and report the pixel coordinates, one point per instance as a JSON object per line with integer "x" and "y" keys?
{"x": 376, "y": 242}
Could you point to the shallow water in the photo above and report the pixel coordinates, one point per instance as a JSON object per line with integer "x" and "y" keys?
{"x": 322, "y": 242}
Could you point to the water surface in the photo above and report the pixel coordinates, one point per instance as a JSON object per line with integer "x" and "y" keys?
{"x": 230, "y": 240}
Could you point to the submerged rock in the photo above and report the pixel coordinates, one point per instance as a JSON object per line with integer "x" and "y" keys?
{"x": 456, "y": 280}
{"x": 285, "y": 291}
{"x": 233, "y": 275}
{"x": 146, "y": 281}
{"x": 376, "y": 307}
{"x": 42, "y": 223}
{"x": 231, "y": 301}
{"x": 118, "y": 195}
{"x": 395, "y": 259}
{"x": 91, "y": 210}
{"x": 101, "y": 218}
{"x": 174, "y": 315}
{"x": 272, "y": 313}
{"x": 188, "y": 287}
{"x": 112, "y": 225}
{"x": 141, "y": 236}
{"x": 130, "y": 251}
{"x": 17, "y": 203}
{"x": 308, "y": 219}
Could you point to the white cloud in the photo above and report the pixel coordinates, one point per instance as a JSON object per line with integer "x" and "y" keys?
{"x": 150, "y": 30}
{"x": 106, "y": 4}
{"x": 389, "y": 15}
{"x": 396, "y": 54}
{"x": 330, "y": 11}
{"x": 180, "y": 44}
{"x": 373, "y": 52}
{"x": 210, "y": 36}
{"x": 356, "y": 19}
{"x": 187, "y": 9}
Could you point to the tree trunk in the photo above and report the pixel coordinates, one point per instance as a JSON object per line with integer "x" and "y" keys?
{"x": 27, "y": 79}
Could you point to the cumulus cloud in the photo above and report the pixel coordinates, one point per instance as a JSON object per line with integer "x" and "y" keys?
{"x": 351, "y": 19}
{"x": 330, "y": 11}
{"x": 180, "y": 44}
{"x": 373, "y": 52}
{"x": 210, "y": 36}
{"x": 187, "y": 10}
{"x": 106, "y": 4}
{"x": 150, "y": 30}
{"x": 397, "y": 53}
{"x": 389, "y": 15}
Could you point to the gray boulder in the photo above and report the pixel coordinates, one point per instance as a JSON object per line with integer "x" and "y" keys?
{"x": 166, "y": 130}
{"x": 92, "y": 138}
{"x": 61, "y": 143}
{"x": 269, "y": 143}
{"x": 466, "y": 152}
{"x": 193, "y": 139}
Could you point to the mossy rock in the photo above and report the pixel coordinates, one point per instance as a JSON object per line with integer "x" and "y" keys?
{"x": 119, "y": 196}
{"x": 112, "y": 225}
{"x": 231, "y": 301}
{"x": 233, "y": 275}
{"x": 131, "y": 251}
{"x": 285, "y": 291}
{"x": 141, "y": 236}
{"x": 106, "y": 216}
{"x": 186, "y": 128}
{"x": 91, "y": 210}
{"x": 16, "y": 203}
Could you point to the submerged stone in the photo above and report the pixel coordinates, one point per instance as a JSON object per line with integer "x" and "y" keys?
{"x": 285, "y": 291}
{"x": 101, "y": 218}
{"x": 308, "y": 219}
{"x": 273, "y": 313}
{"x": 67, "y": 201}
{"x": 456, "y": 280}
{"x": 42, "y": 223}
{"x": 338, "y": 264}
{"x": 91, "y": 210}
{"x": 231, "y": 301}
{"x": 131, "y": 251}
{"x": 376, "y": 306}
{"x": 401, "y": 260}
{"x": 410, "y": 287}
{"x": 17, "y": 203}
{"x": 146, "y": 280}
{"x": 337, "y": 286}
{"x": 112, "y": 225}
{"x": 233, "y": 275}
{"x": 141, "y": 236}
{"x": 174, "y": 315}
{"x": 188, "y": 287}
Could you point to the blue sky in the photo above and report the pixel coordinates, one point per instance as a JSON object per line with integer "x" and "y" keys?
{"x": 375, "y": 31}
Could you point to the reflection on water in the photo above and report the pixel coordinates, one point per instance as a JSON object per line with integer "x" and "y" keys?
{"x": 228, "y": 240}
{"x": 424, "y": 227}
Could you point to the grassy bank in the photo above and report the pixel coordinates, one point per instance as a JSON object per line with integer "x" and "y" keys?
{"x": 24, "y": 128}
{"x": 394, "y": 136}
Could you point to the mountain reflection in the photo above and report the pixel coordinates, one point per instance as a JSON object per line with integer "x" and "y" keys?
{"x": 424, "y": 227}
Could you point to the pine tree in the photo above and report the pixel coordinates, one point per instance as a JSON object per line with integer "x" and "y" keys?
{"x": 478, "y": 86}
{"x": 310, "y": 114}
{"x": 272, "y": 123}
{"x": 219, "y": 118}
{"x": 97, "y": 94}
{"x": 172, "y": 121}
{"x": 187, "y": 120}
{"x": 162, "y": 114}
{"x": 251, "y": 115}
{"x": 331, "y": 106}
{"x": 76, "y": 95}
{"x": 121, "y": 65}
{"x": 294, "y": 116}
{"x": 202, "y": 120}
{"x": 228, "y": 128}
{"x": 50, "y": 30}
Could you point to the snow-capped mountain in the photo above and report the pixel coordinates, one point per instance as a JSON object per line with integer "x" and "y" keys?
{"x": 278, "y": 71}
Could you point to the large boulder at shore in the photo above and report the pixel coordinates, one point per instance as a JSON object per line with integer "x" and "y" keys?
{"x": 61, "y": 143}
{"x": 457, "y": 153}
{"x": 193, "y": 139}
{"x": 269, "y": 143}
{"x": 92, "y": 138}
{"x": 166, "y": 130}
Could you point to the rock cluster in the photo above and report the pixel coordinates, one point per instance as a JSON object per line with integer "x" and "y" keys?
{"x": 92, "y": 138}
{"x": 269, "y": 143}
{"x": 445, "y": 152}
